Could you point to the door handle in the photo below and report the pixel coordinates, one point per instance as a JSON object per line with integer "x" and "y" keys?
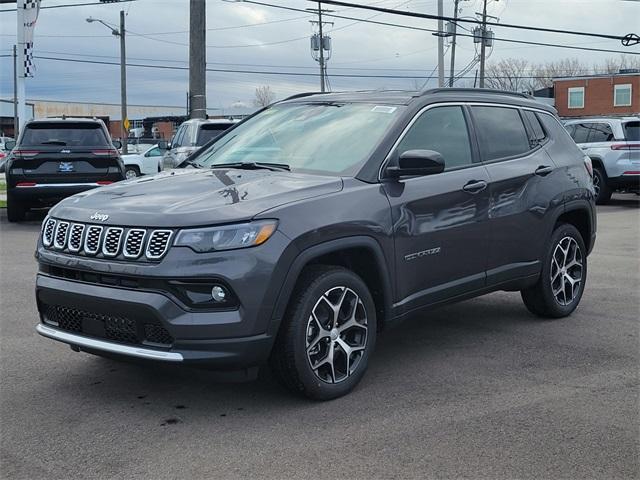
{"x": 475, "y": 186}
{"x": 543, "y": 170}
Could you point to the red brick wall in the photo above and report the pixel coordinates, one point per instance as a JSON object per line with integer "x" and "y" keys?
{"x": 598, "y": 96}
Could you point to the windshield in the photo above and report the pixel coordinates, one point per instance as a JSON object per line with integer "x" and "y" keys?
{"x": 631, "y": 131}
{"x": 85, "y": 134}
{"x": 325, "y": 138}
{"x": 209, "y": 132}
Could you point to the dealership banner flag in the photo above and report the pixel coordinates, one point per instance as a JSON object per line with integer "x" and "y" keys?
{"x": 31, "y": 10}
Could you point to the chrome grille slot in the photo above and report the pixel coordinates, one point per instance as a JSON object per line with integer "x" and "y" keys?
{"x": 158, "y": 243}
{"x": 47, "y": 232}
{"x": 134, "y": 242}
{"x": 92, "y": 240}
{"x": 112, "y": 239}
{"x": 60, "y": 239}
{"x": 75, "y": 237}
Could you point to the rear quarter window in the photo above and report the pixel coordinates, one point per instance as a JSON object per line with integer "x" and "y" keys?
{"x": 65, "y": 134}
{"x": 631, "y": 131}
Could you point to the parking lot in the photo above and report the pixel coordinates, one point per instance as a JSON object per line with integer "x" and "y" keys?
{"x": 480, "y": 389}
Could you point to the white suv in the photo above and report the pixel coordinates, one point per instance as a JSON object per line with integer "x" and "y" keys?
{"x": 190, "y": 136}
{"x": 613, "y": 144}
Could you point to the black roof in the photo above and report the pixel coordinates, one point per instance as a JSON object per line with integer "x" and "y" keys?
{"x": 403, "y": 97}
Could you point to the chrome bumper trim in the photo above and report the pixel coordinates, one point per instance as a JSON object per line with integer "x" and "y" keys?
{"x": 81, "y": 341}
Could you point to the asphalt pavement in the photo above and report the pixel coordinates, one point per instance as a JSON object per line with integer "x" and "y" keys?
{"x": 479, "y": 390}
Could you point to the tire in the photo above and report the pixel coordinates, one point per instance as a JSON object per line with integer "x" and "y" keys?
{"x": 16, "y": 211}
{"x": 541, "y": 299}
{"x": 603, "y": 192}
{"x": 131, "y": 172}
{"x": 319, "y": 287}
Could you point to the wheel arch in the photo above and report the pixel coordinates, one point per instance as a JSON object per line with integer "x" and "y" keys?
{"x": 361, "y": 254}
{"x": 579, "y": 215}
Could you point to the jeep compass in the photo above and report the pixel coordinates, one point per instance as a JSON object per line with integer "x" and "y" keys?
{"x": 301, "y": 233}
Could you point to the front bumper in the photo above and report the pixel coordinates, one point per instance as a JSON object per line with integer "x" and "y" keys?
{"x": 191, "y": 332}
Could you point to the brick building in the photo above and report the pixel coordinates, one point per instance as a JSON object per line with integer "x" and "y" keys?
{"x": 617, "y": 94}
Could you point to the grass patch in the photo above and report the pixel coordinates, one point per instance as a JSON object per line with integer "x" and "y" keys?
{"x": 3, "y": 204}
{"x": 3, "y": 187}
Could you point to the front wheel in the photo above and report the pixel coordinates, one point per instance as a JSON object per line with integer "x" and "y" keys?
{"x": 564, "y": 274}
{"x": 327, "y": 335}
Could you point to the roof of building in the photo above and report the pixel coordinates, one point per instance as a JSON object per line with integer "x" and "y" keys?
{"x": 604, "y": 75}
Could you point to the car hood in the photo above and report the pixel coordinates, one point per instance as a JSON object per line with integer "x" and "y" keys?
{"x": 193, "y": 197}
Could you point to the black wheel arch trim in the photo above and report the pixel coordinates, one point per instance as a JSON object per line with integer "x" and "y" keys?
{"x": 581, "y": 204}
{"x": 307, "y": 255}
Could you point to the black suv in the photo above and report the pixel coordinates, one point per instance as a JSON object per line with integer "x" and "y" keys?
{"x": 57, "y": 157}
{"x": 305, "y": 230}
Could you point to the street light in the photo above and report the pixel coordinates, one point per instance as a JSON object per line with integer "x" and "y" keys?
{"x": 124, "y": 122}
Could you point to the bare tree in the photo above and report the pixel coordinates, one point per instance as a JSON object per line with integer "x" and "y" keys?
{"x": 614, "y": 65}
{"x": 568, "y": 67}
{"x": 264, "y": 96}
{"x": 510, "y": 74}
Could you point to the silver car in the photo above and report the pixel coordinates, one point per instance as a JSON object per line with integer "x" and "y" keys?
{"x": 613, "y": 144}
{"x": 190, "y": 136}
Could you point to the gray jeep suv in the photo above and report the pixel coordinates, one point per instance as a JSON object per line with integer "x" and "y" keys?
{"x": 308, "y": 228}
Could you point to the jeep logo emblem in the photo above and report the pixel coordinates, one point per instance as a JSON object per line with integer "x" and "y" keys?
{"x": 99, "y": 216}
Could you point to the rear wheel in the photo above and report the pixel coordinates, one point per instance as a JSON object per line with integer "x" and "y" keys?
{"x": 131, "y": 172}
{"x": 327, "y": 335}
{"x": 16, "y": 210}
{"x": 564, "y": 273}
{"x": 602, "y": 190}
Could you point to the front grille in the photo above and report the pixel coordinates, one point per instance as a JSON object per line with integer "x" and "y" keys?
{"x": 115, "y": 328}
{"x": 133, "y": 243}
{"x": 106, "y": 242}
{"x": 60, "y": 239}
{"x": 75, "y": 237}
{"x": 158, "y": 243}
{"x": 47, "y": 232}
{"x": 92, "y": 241}
{"x": 111, "y": 245}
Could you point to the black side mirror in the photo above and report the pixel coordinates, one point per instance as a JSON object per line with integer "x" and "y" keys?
{"x": 163, "y": 145}
{"x": 117, "y": 144}
{"x": 9, "y": 145}
{"x": 417, "y": 162}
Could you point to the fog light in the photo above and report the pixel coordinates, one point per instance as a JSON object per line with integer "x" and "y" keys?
{"x": 218, "y": 293}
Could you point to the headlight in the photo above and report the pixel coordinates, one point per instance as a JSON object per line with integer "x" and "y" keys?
{"x": 227, "y": 237}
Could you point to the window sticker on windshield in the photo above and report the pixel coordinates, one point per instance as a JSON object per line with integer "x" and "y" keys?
{"x": 383, "y": 109}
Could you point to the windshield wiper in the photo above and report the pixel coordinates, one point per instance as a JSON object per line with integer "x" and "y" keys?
{"x": 254, "y": 166}
{"x": 193, "y": 163}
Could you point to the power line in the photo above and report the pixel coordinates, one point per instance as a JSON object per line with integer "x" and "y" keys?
{"x": 474, "y": 21}
{"x": 70, "y": 5}
{"x": 422, "y": 29}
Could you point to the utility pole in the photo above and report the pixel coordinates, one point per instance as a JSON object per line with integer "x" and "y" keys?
{"x": 453, "y": 43}
{"x": 16, "y": 128}
{"x": 197, "y": 59}
{"x": 440, "y": 45}
{"x": 322, "y": 85}
{"x": 124, "y": 122}
{"x": 483, "y": 42}
{"x": 20, "y": 59}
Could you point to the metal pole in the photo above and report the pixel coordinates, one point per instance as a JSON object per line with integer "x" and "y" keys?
{"x": 483, "y": 43}
{"x": 123, "y": 85}
{"x": 322, "y": 85}
{"x": 453, "y": 44}
{"x": 197, "y": 59}
{"x": 16, "y": 128}
{"x": 440, "y": 46}
{"x": 20, "y": 78}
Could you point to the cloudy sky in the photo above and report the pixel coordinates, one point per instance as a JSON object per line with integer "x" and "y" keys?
{"x": 241, "y": 36}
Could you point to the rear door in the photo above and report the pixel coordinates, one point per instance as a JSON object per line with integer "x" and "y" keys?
{"x": 66, "y": 152}
{"x": 440, "y": 221}
{"x": 523, "y": 179}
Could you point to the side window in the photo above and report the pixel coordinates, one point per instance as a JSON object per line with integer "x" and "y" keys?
{"x": 537, "y": 131}
{"x": 600, "y": 132}
{"x": 500, "y": 131}
{"x": 154, "y": 152}
{"x": 581, "y": 132}
{"x": 177, "y": 139}
{"x": 554, "y": 130}
{"x": 444, "y": 130}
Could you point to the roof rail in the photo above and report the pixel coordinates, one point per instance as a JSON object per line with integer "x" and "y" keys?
{"x": 477, "y": 90}
{"x": 299, "y": 95}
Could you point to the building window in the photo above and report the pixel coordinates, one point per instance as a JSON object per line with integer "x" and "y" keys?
{"x": 622, "y": 95}
{"x": 576, "y": 97}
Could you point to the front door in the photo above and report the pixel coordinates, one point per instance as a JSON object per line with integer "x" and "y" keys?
{"x": 440, "y": 220}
